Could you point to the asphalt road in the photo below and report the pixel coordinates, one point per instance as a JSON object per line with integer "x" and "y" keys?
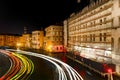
{"x": 4, "y": 64}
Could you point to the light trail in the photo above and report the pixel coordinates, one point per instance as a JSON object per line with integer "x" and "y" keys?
{"x": 27, "y": 68}
{"x": 65, "y": 72}
{"x": 21, "y": 67}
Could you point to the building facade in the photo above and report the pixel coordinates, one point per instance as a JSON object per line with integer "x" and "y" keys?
{"x": 37, "y": 39}
{"x": 54, "y": 38}
{"x": 9, "y": 40}
{"x": 2, "y": 42}
{"x": 27, "y": 40}
{"x": 95, "y": 32}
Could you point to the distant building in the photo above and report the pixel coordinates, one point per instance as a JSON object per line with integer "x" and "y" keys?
{"x": 9, "y": 40}
{"x": 54, "y": 38}
{"x": 95, "y": 32}
{"x": 2, "y": 42}
{"x": 37, "y": 39}
{"x": 26, "y": 40}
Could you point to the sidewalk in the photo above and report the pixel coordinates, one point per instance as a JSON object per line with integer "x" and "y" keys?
{"x": 81, "y": 61}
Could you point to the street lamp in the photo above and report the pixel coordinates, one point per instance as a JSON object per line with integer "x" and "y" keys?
{"x": 18, "y": 46}
{"x": 50, "y": 48}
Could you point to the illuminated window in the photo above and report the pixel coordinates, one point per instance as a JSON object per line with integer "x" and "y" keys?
{"x": 80, "y": 38}
{"x": 57, "y": 33}
{"x": 60, "y": 33}
{"x": 53, "y": 33}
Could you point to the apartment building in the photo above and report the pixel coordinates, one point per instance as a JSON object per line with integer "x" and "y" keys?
{"x": 37, "y": 39}
{"x": 8, "y": 40}
{"x": 2, "y": 40}
{"x": 94, "y": 32}
{"x": 27, "y": 40}
{"x": 54, "y": 38}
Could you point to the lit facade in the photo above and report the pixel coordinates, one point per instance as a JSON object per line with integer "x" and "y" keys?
{"x": 37, "y": 39}
{"x": 21, "y": 42}
{"x": 54, "y": 38}
{"x": 27, "y": 40}
{"x": 2, "y": 40}
{"x": 95, "y": 32}
{"x": 8, "y": 40}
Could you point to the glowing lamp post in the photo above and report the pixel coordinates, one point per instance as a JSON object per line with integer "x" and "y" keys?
{"x": 18, "y": 46}
{"x": 50, "y": 48}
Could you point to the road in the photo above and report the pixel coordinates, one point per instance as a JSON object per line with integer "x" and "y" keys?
{"x": 53, "y": 67}
{"x": 22, "y": 68}
{"x": 62, "y": 70}
{"x": 4, "y": 64}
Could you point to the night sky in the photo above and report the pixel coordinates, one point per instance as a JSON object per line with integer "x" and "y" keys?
{"x": 35, "y": 14}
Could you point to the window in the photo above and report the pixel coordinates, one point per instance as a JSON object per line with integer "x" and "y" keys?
{"x": 85, "y": 37}
{"x": 91, "y": 23}
{"x": 100, "y": 36}
{"x": 94, "y": 23}
{"x": 112, "y": 23}
{"x": 57, "y": 48}
{"x": 57, "y": 33}
{"x": 61, "y": 39}
{"x": 112, "y": 43}
{"x": 119, "y": 45}
{"x": 60, "y": 48}
{"x": 80, "y": 38}
{"x": 60, "y": 33}
{"x": 105, "y": 20}
{"x": 100, "y": 21}
{"x": 104, "y": 36}
{"x": 90, "y": 37}
{"x": 93, "y": 37}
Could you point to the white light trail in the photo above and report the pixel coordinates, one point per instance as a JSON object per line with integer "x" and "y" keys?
{"x": 68, "y": 73}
